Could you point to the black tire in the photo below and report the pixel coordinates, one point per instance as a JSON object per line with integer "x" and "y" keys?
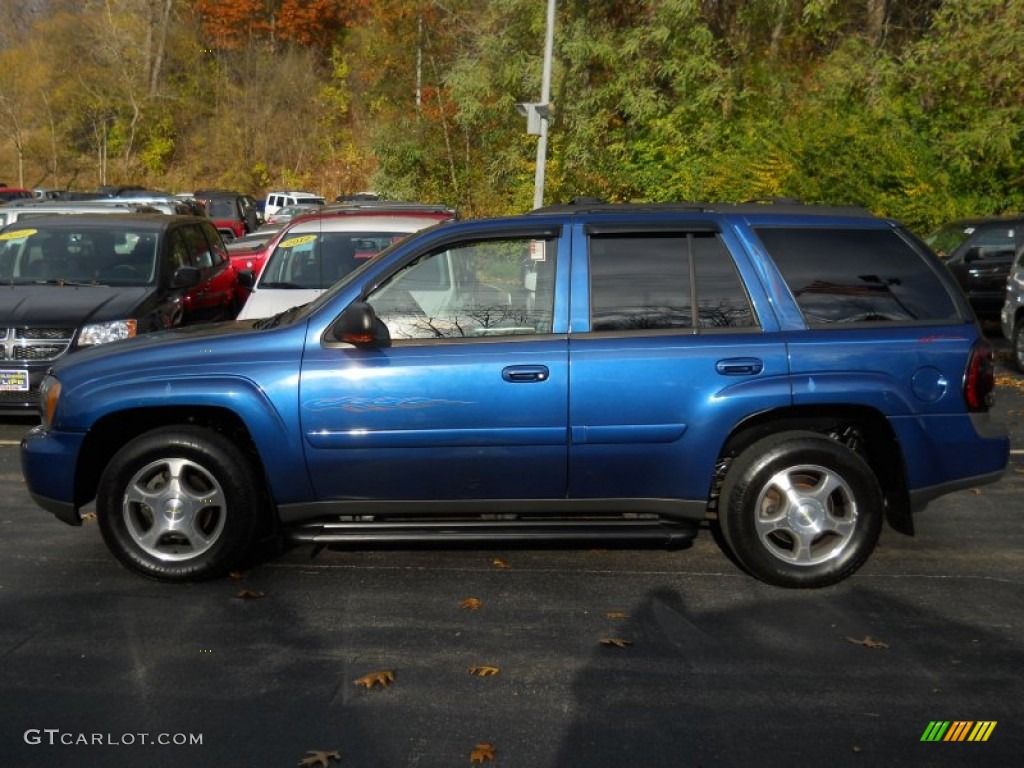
{"x": 1018, "y": 343}
{"x": 179, "y": 504}
{"x": 816, "y": 533}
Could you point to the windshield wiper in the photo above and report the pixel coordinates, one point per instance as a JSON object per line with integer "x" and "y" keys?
{"x": 62, "y": 281}
{"x": 276, "y": 320}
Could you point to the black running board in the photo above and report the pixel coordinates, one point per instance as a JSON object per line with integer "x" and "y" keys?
{"x": 584, "y": 531}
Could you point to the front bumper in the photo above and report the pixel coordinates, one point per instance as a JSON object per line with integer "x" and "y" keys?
{"x": 49, "y": 461}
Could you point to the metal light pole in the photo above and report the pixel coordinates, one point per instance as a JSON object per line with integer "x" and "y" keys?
{"x": 537, "y": 113}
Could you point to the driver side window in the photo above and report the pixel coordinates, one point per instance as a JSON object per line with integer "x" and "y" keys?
{"x": 471, "y": 290}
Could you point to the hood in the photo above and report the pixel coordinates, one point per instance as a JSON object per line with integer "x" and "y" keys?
{"x": 267, "y": 302}
{"x": 67, "y": 305}
{"x": 157, "y": 340}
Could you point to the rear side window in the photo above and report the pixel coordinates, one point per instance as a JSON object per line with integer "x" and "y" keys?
{"x": 857, "y": 275}
{"x": 653, "y": 282}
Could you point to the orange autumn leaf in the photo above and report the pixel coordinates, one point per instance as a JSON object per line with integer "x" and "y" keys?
{"x": 319, "y": 757}
{"x": 616, "y": 615}
{"x": 482, "y": 752}
{"x": 615, "y": 642}
{"x": 471, "y": 603}
{"x": 383, "y": 678}
{"x": 869, "y": 642}
{"x": 484, "y": 670}
{"x": 249, "y": 594}
{"x": 499, "y": 563}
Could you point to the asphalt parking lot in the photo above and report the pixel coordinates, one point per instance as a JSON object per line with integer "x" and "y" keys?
{"x": 518, "y": 657}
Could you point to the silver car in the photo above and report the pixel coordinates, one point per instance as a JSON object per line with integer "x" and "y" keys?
{"x": 1011, "y": 317}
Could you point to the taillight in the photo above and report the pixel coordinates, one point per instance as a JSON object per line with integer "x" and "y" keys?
{"x": 980, "y": 378}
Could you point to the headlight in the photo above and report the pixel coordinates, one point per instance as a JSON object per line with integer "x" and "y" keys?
{"x": 49, "y": 395}
{"x": 102, "y": 333}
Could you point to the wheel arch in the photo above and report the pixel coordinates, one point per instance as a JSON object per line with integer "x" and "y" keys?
{"x": 116, "y": 429}
{"x": 864, "y": 430}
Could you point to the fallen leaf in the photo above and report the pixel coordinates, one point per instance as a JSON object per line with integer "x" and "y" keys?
{"x": 318, "y": 757}
{"x": 615, "y": 642}
{"x": 236, "y": 575}
{"x": 976, "y": 491}
{"x": 383, "y": 678}
{"x": 499, "y": 563}
{"x": 869, "y": 642}
{"x": 484, "y": 670}
{"x": 615, "y": 615}
{"x": 481, "y": 753}
{"x": 471, "y": 603}
{"x": 249, "y": 594}
{"x": 88, "y": 517}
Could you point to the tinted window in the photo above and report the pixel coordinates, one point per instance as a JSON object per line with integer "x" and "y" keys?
{"x": 221, "y": 209}
{"x": 217, "y": 250}
{"x": 857, "y": 275}
{"x": 199, "y": 249}
{"x": 642, "y": 282}
{"x": 992, "y": 244}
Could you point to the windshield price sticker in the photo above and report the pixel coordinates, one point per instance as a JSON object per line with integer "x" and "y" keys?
{"x": 294, "y": 241}
{"x": 18, "y": 234}
{"x": 538, "y": 250}
{"x": 13, "y": 381}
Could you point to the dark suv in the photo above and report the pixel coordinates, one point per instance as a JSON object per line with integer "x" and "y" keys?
{"x": 82, "y": 280}
{"x": 589, "y": 373}
{"x": 979, "y": 252}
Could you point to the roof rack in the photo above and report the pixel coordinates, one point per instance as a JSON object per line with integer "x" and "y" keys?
{"x": 583, "y": 205}
{"x": 384, "y": 206}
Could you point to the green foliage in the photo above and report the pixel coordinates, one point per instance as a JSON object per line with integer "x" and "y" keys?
{"x": 913, "y": 108}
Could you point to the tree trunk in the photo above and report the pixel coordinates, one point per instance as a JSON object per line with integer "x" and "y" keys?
{"x": 877, "y": 21}
{"x": 161, "y": 44}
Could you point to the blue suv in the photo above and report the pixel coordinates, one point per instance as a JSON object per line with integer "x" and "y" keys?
{"x": 585, "y": 373}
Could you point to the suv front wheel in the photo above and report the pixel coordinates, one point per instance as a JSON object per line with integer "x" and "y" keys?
{"x": 179, "y": 504}
{"x": 800, "y": 510}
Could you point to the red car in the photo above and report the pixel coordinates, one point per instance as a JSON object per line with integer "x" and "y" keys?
{"x": 229, "y": 212}
{"x": 14, "y": 193}
{"x": 251, "y": 251}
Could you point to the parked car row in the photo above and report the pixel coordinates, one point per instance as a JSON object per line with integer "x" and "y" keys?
{"x": 116, "y": 269}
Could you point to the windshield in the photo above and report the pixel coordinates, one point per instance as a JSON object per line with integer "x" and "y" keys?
{"x": 947, "y": 239}
{"x": 221, "y": 209}
{"x": 86, "y": 255}
{"x": 318, "y": 261}
{"x": 302, "y": 312}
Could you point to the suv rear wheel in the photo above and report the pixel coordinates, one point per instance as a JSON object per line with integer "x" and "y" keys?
{"x": 800, "y": 510}
{"x": 178, "y": 504}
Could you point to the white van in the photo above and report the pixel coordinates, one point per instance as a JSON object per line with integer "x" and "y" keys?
{"x": 277, "y": 200}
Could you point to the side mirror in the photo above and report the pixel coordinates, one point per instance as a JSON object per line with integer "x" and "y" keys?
{"x": 185, "y": 277}
{"x": 359, "y": 325}
{"x": 246, "y": 279}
